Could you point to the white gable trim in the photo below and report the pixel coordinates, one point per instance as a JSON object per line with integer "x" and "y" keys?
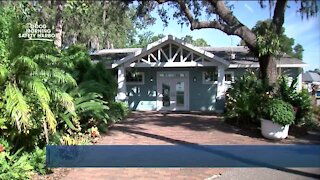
{"x": 163, "y": 42}
{"x": 201, "y": 51}
{"x": 174, "y": 64}
{"x": 256, "y": 65}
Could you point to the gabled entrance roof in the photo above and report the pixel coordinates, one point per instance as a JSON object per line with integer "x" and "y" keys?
{"x": 170, "y": 52}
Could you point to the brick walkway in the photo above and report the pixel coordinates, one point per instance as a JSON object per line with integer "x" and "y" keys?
{"x": 149, "y": 128}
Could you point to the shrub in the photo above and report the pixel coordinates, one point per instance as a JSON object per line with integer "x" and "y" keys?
{"x": 84, "y": 70}
{"x": 279, "y": 112}
{"x": 96, "y": 89}
{"x": 303, "y": 104}
{"x": 15, "y": 166}
{"x": 285, "y": 91}
{"x": 5, "y": 145}
{"x": 105, "y": 77}
{"x": 38, "y": 160}
{"x": 301, "y": 101}
{"x": 244, "y": 98}
{"x": 20, "y": 165}
{"x": 118, "y": 111}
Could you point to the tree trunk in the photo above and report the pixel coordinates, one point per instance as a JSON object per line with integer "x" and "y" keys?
{"x": 108, "y": 44}
{"x": 268, "y": 69}
{"x": 105, "y": 8}
{"x": 59, "y": 23}
{"x": 46, "y": 132}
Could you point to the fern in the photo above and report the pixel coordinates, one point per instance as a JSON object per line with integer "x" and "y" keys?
{"x": 25, "y": 63}
{"x": 17, "y": 108}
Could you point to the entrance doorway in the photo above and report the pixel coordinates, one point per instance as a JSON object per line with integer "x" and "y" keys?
{"x": 173, "y": 91}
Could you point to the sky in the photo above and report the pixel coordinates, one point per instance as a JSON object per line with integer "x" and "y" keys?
{"x": 305, "y": 32}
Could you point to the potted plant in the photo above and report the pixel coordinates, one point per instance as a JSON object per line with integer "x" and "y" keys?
{"x": 277, "y": 115}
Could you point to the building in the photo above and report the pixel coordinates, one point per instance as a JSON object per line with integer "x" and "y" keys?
{"x": 310, "y": 77}
{"x": 312, "y": 81}
{"x": 172, "y": 75}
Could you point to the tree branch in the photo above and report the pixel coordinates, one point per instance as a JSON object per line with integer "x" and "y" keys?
{"x": 162, "y": 1}
{"x": 232, "y": 27}
{"x": 278, "y": 15}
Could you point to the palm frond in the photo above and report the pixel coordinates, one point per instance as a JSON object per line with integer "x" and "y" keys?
{"x": 61, "y": 77}
{"x": 25, "y": 63}
{"x": 67, "y": 118}
{"x": 92, "y": 86}
{"x": 91, "y": 106}
{"x": 63, "y": 98}
{"x": 88, "y": 97}
{"x": 45, "y": 58}
{"x": 17, "y": 107}
{"x": 38, "y": 88}
{"x": 50, "y": 118}
{"x": 67, "y": 101}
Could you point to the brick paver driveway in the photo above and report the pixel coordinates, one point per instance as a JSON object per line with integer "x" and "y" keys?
{"x": 149, "y": 128}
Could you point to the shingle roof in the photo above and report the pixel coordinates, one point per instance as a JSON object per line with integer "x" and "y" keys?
{"x": 310, "y": 77}
{"x": 243, "y": 57}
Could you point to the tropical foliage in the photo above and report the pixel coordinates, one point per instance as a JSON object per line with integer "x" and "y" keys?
{"x": 247, "y": 96}
{"x": 300, "y": 100}
{"x": 15, "y": 166}
{"x": 285, "y": 47}
{"x": 244, "y": 98}
{"x": 47, "y": 96}
{"x": 31, "y": 77}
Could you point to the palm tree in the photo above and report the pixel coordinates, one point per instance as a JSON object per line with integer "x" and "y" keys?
{"x": 31, "y": 80}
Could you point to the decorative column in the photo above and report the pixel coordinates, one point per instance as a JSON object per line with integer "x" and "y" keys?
{"x": 299, "y": 83}
{"x": 220, "y": 99}
{"x": 122, "y": 88}
{"x": 221, "y": 84}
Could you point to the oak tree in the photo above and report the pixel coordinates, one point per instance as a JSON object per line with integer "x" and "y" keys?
{"x": 263, "y": 45}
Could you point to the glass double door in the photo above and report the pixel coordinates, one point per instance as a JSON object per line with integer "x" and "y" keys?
{"x": 172, "y": 93}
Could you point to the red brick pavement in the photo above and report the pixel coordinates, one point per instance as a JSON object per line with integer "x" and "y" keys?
{"x": 153, "y": 128}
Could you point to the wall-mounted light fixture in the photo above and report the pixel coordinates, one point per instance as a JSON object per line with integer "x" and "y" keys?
{"x": 151, "y": 79}
{"x": 194, "y": 79}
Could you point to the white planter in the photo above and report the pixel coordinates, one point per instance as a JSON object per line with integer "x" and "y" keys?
{"x": 273, "y": 130}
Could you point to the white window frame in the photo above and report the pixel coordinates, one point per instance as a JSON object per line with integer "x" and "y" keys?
{"x": 232, "y": 77}
{"x": 204, "y": 80}
{"x": 137, "y": 83}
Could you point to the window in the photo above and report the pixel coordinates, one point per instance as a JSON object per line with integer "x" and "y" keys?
{"x": 134, "y": 77}
{"x": 210, "y": 76}
{"x": 228, "y": 77}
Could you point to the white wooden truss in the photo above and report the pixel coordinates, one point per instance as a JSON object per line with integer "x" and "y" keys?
{"x": 170, "y": 52}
